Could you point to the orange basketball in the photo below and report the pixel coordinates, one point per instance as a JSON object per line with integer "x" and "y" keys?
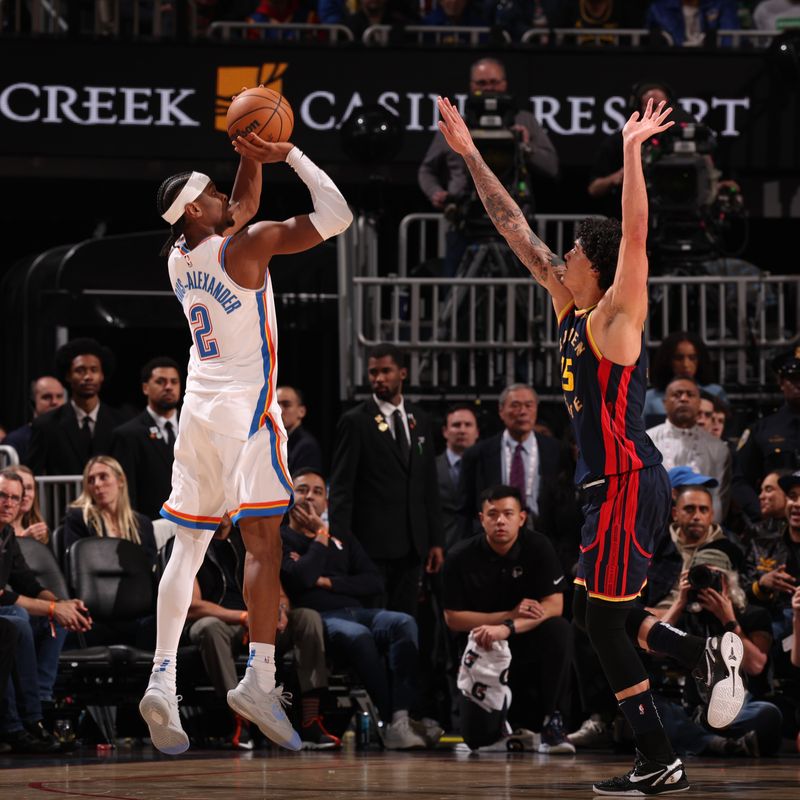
{"x": 262, "y": 111}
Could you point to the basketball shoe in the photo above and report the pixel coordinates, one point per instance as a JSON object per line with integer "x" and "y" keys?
{"x": 554, "y": 737}
{"x": 520, "y": 741}
{"x": 159, "y": 709}
{"x": 646, "y": 778}
{"x": 266, "y": 709}
{"x": 719, "y": 680}
{"x": 315, "y": 737}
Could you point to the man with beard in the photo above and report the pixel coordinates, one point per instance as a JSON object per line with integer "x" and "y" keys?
{"x": 772, "y": 442}
{"x": 683, "y": 443}
{"x": 144, "y": 446}
{"x": 63, "y": 440}
{"x": 384, "y": 487}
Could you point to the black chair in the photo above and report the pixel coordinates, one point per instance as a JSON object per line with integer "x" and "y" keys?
{"x": 44, "y": 565}
{"x": 58, "y": 548}
{"x": 114, "y": 578}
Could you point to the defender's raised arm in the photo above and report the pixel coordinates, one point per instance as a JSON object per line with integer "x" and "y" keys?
{"x": 505, "y": 214}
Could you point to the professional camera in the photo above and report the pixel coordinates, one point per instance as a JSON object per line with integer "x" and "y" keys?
{"x": 678, "y": 170}
{"x": 489, "y": 117}
{"x": 702, "y": 577}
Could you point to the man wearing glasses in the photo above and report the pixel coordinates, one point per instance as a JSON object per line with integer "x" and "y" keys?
{"x": 442, "y": 175}
{"x": 42, "y": 621}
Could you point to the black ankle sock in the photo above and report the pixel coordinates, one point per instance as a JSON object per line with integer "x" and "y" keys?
{"x": 642, "y": 716}
{"x": 687, "y": 649}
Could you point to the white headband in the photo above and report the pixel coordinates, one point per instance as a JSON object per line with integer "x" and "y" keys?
{"x": 191, "y": 191}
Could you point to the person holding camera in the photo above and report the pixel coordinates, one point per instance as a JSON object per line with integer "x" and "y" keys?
{"x": 692, "y": 527}
{"x": 443, "y": 176}
{"x": 710, "y": 602}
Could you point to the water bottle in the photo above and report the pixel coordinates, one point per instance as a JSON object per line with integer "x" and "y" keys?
{"x": 363, "y": 725}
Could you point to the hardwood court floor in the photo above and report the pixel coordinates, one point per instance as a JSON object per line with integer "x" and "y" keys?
{"x": 441, "y": 775}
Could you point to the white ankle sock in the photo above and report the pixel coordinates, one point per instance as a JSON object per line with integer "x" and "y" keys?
{"x": 262, "y": 662}
{"x": 164, "y": 663}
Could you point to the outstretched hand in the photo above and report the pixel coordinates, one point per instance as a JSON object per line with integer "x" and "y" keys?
{"x": 453, "y": 127}
{"x": 255, "y": 148}
{"x": 638, "y": 129}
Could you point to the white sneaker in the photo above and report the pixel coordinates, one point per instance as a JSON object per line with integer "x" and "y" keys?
{"x": 720, "y": 680}
{"x": 592, "y": 733}
{"x": 159, "y": 709}
{"x": 520, "y": 741}
{"x": 401, "y": 735}
{"x": 250, "y": 701}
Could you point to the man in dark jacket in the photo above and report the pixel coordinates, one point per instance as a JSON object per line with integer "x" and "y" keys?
{"x": 303, "y": 448}
{"x": 41, "y": 621}
{"x": 144, "y": 446}
{"x": 518, "y": 457}
{"x": 329, "y": 571}
{"x": 63, "y": 440}
{"x": 384, "y": 488}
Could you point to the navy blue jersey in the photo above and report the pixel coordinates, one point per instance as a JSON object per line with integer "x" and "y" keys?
{"x": 605, "y": 402}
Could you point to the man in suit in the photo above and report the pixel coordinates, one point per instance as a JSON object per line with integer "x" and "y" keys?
{"x": 384, "y": 487}
{"x": 460, "y": 432}
{"x": 63, "y": 440}
{"x": 144, "y": 446}
{"x": 517, "y": 457}
{"x": 302, "y": 446}
{"x": 47, "y": 393}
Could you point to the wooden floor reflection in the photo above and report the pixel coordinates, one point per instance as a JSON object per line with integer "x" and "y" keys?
{"x": 442, "y": 775}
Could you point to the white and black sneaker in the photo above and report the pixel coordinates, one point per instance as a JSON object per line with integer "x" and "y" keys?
{"x": 646, "y": 778}
{"x": 719, "y": 679}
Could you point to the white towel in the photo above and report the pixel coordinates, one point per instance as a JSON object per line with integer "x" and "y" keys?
{"x": 483, "y": 675}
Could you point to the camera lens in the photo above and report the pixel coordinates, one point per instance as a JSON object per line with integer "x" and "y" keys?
{"x": 701, "y": 577}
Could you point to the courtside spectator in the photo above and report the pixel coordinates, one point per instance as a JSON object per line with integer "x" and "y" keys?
{"x": 47, "y": 393}
{"x": 303, "y": 447}
{"x": 29, "y": 521}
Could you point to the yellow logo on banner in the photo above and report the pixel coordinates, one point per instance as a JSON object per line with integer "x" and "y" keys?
{"x": 231, "y": 79}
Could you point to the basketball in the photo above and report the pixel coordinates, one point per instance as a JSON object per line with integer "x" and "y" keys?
{"x": 264, "y": 112}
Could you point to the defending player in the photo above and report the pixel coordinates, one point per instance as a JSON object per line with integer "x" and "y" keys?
{"x": 600, "y": 298}
{"x": 230, "y": 454}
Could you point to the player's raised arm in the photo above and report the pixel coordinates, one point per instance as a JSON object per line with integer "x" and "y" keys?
{"x": 505, "y": 214}
{"x": 629, "y": 290}
{"x": 246, "y": 194}
{"x": 250, "y": 251}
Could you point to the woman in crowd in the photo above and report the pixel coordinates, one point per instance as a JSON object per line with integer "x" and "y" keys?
{"x": 104, "y": 509}
{"x": 680, "y": 355}
{"x": 29, "y": 521}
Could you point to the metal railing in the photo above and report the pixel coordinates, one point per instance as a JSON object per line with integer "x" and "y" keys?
{"x": 473, "y": 336}
{"x": 8, "y": 456}
{"x": 106, "y": 18}
{"x": 379, "y": 35}
{"x": 606, "y": 36}
{"x": 55, "y": 493}
{"x": 422, "y": 236}
{"x": 282, "y": 32}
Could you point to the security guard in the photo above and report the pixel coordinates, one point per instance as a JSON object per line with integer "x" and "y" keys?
{"x": 773, "y": 442}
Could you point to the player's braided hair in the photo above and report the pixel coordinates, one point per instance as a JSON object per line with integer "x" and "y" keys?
{"x": 167, "y": 193}
{"x": 600, "y": 240}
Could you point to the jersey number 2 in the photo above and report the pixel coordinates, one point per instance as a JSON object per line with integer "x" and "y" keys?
{"x": 202, "y": 330}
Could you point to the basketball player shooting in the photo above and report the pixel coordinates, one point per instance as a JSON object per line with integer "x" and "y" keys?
{"x": 600, "y": 298}
{"x": 230, "y": 454}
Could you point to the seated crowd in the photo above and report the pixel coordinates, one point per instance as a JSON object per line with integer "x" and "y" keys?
{"x": 441, "y": 584}
{"x": 674, "y": 23}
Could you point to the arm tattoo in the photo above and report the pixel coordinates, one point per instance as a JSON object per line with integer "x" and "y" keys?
{"x": 510, "y": 221}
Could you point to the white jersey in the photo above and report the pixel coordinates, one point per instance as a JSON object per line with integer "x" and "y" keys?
{"x": 233, "y": 361}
